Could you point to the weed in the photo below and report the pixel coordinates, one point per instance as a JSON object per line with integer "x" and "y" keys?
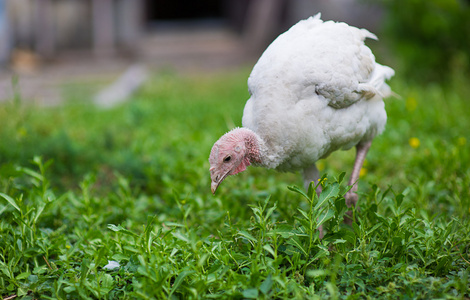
{"x": 117, "y": 204}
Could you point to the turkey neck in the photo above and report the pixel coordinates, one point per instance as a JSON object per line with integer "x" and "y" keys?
{"x": 254, "y": 146}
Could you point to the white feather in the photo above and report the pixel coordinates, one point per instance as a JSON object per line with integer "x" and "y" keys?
{"x": 316, "y": 89}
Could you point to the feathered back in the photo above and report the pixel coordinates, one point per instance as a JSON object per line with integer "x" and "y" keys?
{"x": 315, "y": 89}
{"x": 326, "y": 58}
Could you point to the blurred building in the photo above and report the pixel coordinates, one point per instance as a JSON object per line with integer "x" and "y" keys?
{"x": 106, "y": 27}
{"x": 51, "y": 43}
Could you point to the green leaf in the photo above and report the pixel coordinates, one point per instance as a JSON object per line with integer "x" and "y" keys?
{"x": 32, "y": 173}
{"x": 270, "y": 211}
{"x": 250, "y": 293}
{"x": 84, "y": 269}
{"x": 69, "y": 289}
{"x": 356, "y": 229}
{"x": 304, "y": 213}
{"x": 298, "y": 191}
{"x": 121, "y": 229}
{"x": 11, "y": 201}
{"x": 39, "y": 211}
{"x": 203, "y": 259}
{"x": 304, "y": 222}
{"x": 179, "y": 280}
{"x": 3, "y": 209}
{"x": 343, "y": 234}
{"x": 173, "y": 224}
{"x": 21, "y": 292}
{"x": 321, "y": 253}
{"x": 419, "y": 253}
{"x": 325, "y": 217}
{"x": 317, "y": 273}
{"x": 340, "y": 206}
{"x": 373, "y": 228}
{"x": 382, "y": 219}
{"x": 23, "y": 275}
{"x": 19, "y": 243}
{"x": 107, "y": 283}
{"x": 33, "y": 278}
{"x": 284, "y": 230}
{"x": 270, "y": 249}
{"x": 267, "y": 284}
{"x": 311, "y": 192}
{"x": 247, "y": 235}
{"x": 330, "y": 191}
{"x": 341, "y": 177}
{"x": 180, "y": 236}
{"x": 5, "y": 270}
{"x": 40, "y": 270}
{"x": 295, "y": 241}
{"x": 120, "y": 256}
{"x": 239, "y": 257}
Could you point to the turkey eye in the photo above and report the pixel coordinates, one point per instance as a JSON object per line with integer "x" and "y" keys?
{"x": 227, "y": 159}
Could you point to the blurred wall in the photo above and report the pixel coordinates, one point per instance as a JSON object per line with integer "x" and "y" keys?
{"x": 5, "y": 37}
{"x": 266, "y": 19}
{"x": 48, "y": 27}
{"x": 51, "y": 26}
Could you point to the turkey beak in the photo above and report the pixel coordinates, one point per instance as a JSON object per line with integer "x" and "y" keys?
{"x": 216, "y": 179}
{"x": 214, "y": 186}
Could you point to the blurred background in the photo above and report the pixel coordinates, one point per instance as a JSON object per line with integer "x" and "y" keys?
{"x": 48, "y": 43}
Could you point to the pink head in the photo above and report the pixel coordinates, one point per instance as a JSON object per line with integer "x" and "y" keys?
{"x": 231, "y": 154}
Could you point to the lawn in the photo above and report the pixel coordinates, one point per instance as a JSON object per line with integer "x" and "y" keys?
{"x": 81, "y": 187}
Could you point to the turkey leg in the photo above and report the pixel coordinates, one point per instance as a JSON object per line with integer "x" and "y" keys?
{"x": 311, "y": 174}
{"x": 351, "y": 196}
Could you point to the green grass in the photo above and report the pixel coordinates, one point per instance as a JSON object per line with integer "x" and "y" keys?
{"x": 81, "y": 186}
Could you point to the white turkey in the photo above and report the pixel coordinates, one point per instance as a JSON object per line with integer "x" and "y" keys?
{"x": 315, "y": 89}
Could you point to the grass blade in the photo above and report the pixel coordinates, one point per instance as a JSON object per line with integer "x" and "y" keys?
{"x": 11, "y": 201}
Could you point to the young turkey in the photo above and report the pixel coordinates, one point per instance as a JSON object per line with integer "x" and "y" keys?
{"x": 316, "y": 89}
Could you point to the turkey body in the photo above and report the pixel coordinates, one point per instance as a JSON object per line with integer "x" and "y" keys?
{"x": 316, "y": 89}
